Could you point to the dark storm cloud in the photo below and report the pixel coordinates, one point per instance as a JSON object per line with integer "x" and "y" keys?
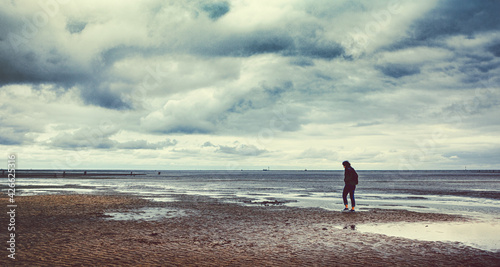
{"x": 479, "y": 68}
{"x": 453, "y": 17}
{"x": 216, "y": 10}
{"x": 471, "y": 60}
{"x": 9, "y": 141}
{"x": 47, "y": 64}
{"x": 261, "y": 98}
{"x": 23, "y": 61}
{"x": 398, "y": 70}
{"x": 12, "y": 135}
{"x": 318, "y": 49}
{"x": 476, "y": 69}
{"x": 264, "y": 41}
{"x": 276, "y": 91}
{"x": 26, "y": 58}
{"x": 285, "y": 39}
{"x": 208, "y": 144}
{"x": 76, "y": 26}
{"x": 9, "y": 23}
{"x": 100, "y": 95}
{"x": 32, "y": 67}
{"x": 495, "y": 49}
{"x": 53, "y": 68}
{"x": 486, "y": 67}
{"x": 466, "y": 21}
{"x": 261, "y": 42}
{"x": 245, "y": 44}
{"x": 109, "y": 56}
{"x": 302, "y": 62}
{"x": 323, "y": 76}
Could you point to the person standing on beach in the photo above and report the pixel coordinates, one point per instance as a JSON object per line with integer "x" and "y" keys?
{"x": 350, "y": 180}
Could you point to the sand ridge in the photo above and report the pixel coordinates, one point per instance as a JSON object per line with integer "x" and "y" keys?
{"x": 68, "y": 230}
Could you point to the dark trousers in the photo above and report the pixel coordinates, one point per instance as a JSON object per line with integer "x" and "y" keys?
{"x": 349, "y": 189}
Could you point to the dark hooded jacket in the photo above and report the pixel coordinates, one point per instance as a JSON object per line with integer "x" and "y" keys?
{"x": 350, "y": 176}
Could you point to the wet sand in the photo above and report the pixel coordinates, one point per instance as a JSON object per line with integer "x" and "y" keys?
{"x": 69, "y": 230}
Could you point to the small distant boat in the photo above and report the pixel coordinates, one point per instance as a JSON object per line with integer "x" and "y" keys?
{"x": 265, "y": 170}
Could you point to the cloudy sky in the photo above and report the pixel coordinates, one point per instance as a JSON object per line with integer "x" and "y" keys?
{"x": 247, "y": 84}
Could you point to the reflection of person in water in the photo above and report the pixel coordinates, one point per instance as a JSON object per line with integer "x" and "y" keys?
{"x": 350, "y": 180}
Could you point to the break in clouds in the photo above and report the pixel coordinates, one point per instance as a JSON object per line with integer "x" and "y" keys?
{"x": 251, "y": 84}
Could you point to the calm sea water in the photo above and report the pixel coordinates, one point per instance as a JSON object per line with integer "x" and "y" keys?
{"x": 461, "y": 192}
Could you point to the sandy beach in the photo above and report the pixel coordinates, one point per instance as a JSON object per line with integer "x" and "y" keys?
{"x": 73, "y": 230}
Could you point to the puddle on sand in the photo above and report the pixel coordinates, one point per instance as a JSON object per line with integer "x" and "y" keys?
{"x": 147, "y": 214}
{"x": 161, "y": 198}
{"x": 482, "y": 235}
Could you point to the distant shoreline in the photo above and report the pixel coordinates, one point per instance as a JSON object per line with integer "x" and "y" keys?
{"x": 57, "y": 173}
